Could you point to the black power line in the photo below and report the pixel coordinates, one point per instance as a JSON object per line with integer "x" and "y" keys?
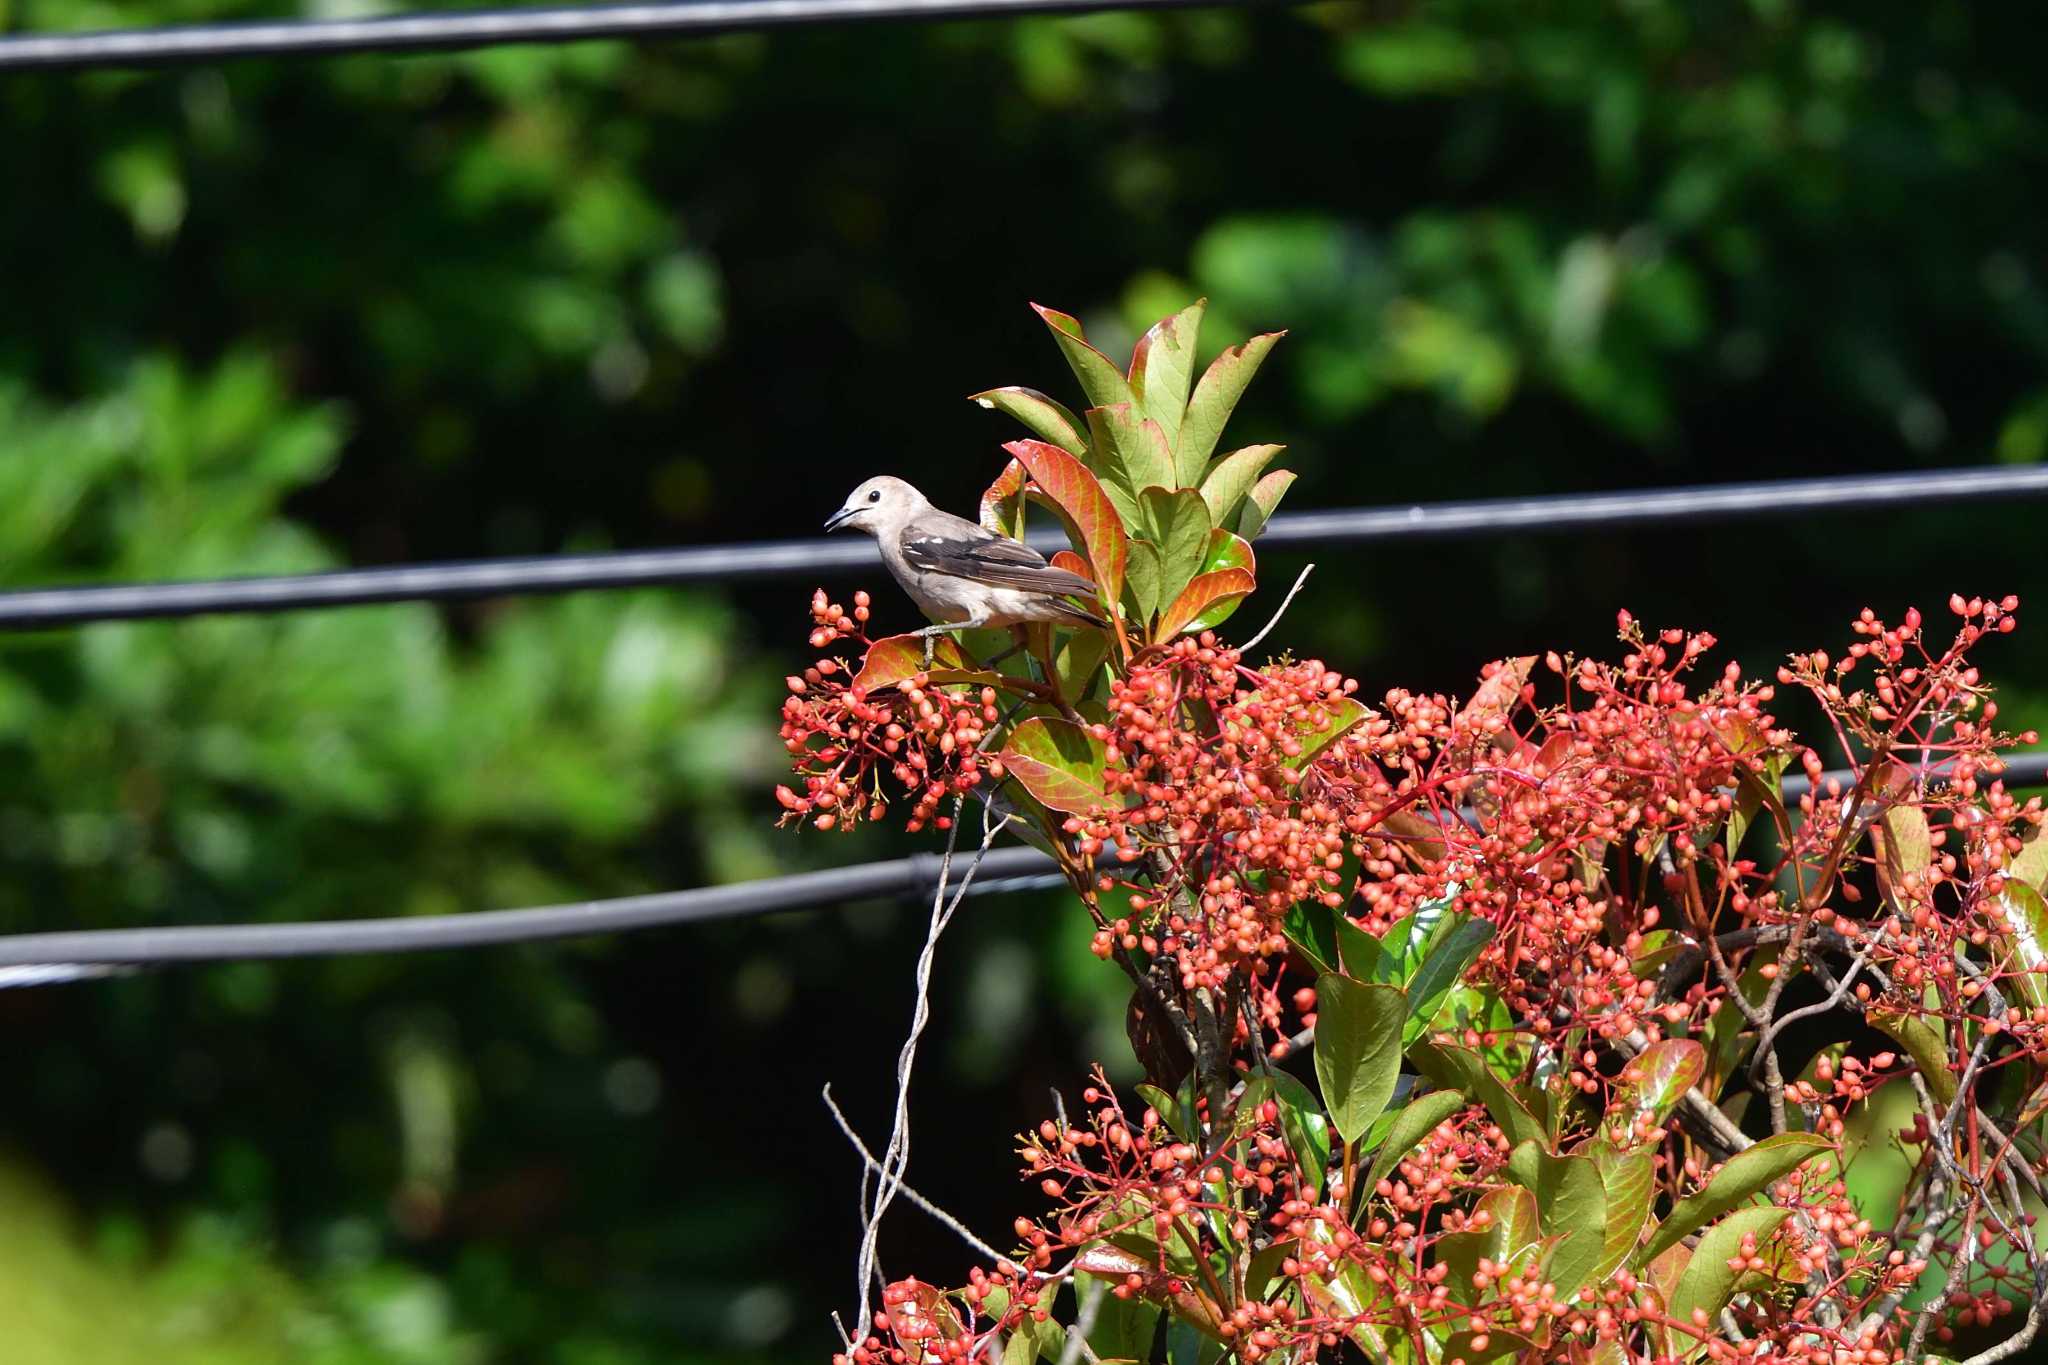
{"x": 37, "y": 959}
{"x": 784, "y": 559}
{"x": 400, "y": 33}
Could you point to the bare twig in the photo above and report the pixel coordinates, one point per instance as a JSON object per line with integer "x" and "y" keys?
{"x": 874, "y": 1167}
{"x": 1252, "y": 643}
{"x": 888, "y": 1175}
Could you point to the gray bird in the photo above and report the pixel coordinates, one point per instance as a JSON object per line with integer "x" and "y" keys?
{"x": 961, "y": 575}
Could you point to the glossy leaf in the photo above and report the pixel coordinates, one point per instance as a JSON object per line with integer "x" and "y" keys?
{"x": 1411, "y": 1126}
{"x": 1129, "y": 452}
{"x": 1707, "y": 1281}
{"x": 1449, "y": 955}
{"x": 1511, "y": 1238}
{"x": 1312, "y": 927}
{"x": 1499, "y": 1346}
{"x": 1358, "y": 1050}
{"x": 1571, "y": 1202}
{"x": 1091, "y": 519}
{"x": 1100, "y": 379}
{"x": 898, "y": 658}
{"x": 1058, "y": 762}
{"x": 1306, "y": 1127}
{"x": 1747, "y": 1174}
{"x": 1222, "y": 384}
{"x": 1079, "y": 663}
{"x": 1002, "y": 502}
{"x": 1230, "y": 478}
{"x": 1163, "y": 368}
{"x": 1177, "y": 521}
{"x": 1631, "y": 1183}
{"x": 1359, "y": 952}
{"x": 1259, "y": 505}
{"x": 1201, "y": 604}
{"x": 1650, "y": 1087}
{"x": 1048, "y": 419}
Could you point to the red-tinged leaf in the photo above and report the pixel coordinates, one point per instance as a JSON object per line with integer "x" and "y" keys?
{"x": 892, "y": 660}
{"x": 1259, "y": 504}
{"x": 1511, "y": 1238}
{"x": 924, "y": 1315}
{"x": 1058, "y": 762}
{"x": 1112, "y": 1262}
{"x": 1090, "y": 517}
{"x": 1228, "y": 481}
{"x": 1162, "y": 367}
{"x": 1746, "y": 1175}
{"x": 1100, "y": 379}
{"x": 1650, "y": 1088}
{"x": 1048, "y": 419}
{"x": 1072, "y": 563}
{"x": 1002, "y": 502}
{"x": 1630, "y": 1182}
{"x": 1222, "y": 384}
{"x": 1202, "y": 599}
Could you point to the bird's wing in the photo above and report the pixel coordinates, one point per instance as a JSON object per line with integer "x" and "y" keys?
{"x": 941, "y": 543}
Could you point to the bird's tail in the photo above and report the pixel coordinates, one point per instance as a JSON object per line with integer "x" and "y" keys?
{"x": 1077, "y": 614}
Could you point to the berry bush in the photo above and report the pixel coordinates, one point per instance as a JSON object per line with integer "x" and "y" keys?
{"x": 1594, "y": 1016}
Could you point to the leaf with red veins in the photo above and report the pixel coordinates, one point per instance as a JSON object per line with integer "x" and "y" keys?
{"x": 1072, "y": 563}
{"x": 1205, "y": 598}
{"x": 1100, "y": 379}
{"x": 1650, "y": 1087}
{"x": 1059, "y": 763}
{"x": 1002, "y": 502}
{"x": 920, "y": 1313}
{"x": 1090, "y": 518}
{"x": 1111, "y": 1262}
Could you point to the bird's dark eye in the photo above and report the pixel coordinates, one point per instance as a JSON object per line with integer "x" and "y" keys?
{"x": 875, "y": 496}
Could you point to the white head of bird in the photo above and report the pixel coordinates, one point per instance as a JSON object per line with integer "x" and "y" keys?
{"x": 882, "y": 504}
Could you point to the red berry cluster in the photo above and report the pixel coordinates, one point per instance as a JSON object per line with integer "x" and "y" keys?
{"x": 844, "y": 738}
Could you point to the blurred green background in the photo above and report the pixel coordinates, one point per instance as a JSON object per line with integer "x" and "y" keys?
{"x": 281, "y": 316}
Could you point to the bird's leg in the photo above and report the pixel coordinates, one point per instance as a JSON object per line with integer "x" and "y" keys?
{"x": 931, "y": 636}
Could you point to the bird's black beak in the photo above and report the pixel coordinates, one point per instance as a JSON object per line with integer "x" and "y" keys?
{"x": 832, "y": 522}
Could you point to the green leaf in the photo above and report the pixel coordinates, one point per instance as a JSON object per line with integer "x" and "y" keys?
{"x": 1650, "y": 1087}
{"x": 2023, "y": 937}
{"x": 1124, "y": 1328}
{"x": 1358, "y": 1049}
{"x": 1359, "y": 952}
{"x": 1499, "y": 1346}
{"x": 1048, "y": 420}
{"x": 1311, "y": 926}
{"x": 1100, "y": 379}
{"x": 1208, "y": 599}
{"x": 1450, "y": 953}
{"x": 1129, "y": 452}
{"x": 1747, "y": 1174}
{"x": 1058, "y": 762}
{"x": 1510, "y": 1239}
{"x": 1462, "y": 1069}
{"x": 1923, "y": 1043}
{"x": 1707, "y": 1281}
{"x": 1162, "y": 367}
{"x": 1630, "y": 1182}
{"x": 1177, "y": 521}
{"x": 1571, "y": 1200}
{"x": 1306, "y": 1128}
{"x": 1411, "y": 1126}
{"x": 1091, "y": 519}
{"x": 1259, "y": 505}
{"x": 1341, "y": 717}
{"x": 1078, "y": 665}
{"x": 1228, "y": 480}
{"x": 1226, "y": 551}
{"x": 1222, "y": 384}
{"x": 1147, "y": 578}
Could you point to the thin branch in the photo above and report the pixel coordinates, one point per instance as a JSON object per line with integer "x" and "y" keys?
{"x": 1300, "y": 579}
{"x": 874, "y": 1167}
